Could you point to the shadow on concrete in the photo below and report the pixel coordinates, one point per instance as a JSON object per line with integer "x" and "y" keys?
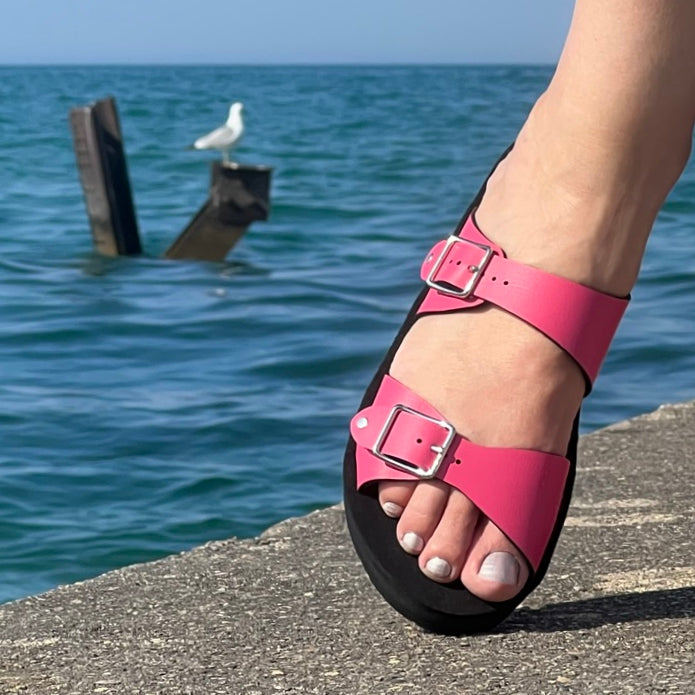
{"x": 606, "y": 610}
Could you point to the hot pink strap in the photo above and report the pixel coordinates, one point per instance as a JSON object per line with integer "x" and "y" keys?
{"x": 518, "y": 489}
{"x": 579, "y": 319}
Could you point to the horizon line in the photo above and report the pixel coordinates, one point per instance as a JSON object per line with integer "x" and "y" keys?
{"x": 298, "y": 64}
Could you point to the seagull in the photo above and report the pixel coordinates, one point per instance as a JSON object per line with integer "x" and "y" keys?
{"x": 226, "y": 136}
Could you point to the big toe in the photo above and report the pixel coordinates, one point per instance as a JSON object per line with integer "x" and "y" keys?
{"x": 494, "y": 569}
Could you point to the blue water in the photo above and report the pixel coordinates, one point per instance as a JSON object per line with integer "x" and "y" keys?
{"x": 148, "y": 406}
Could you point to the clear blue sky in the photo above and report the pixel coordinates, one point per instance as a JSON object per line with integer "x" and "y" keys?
{"x": 282, "y": 31}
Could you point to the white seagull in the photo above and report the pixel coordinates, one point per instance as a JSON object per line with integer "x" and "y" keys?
{"x": 226, "y": 136}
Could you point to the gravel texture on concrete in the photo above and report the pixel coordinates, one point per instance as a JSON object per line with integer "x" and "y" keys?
{"x": 292, "y": 611}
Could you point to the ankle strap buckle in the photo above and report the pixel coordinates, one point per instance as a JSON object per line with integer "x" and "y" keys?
{"x": 475, "y": 269}
{"x": 439, "y": 450}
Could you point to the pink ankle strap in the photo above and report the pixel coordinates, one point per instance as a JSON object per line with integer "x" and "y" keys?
{"x": 402, "y": 437}
{"x": 467, "y": 270}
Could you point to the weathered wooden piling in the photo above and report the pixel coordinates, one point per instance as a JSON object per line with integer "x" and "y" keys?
{"x": 239, "y": 193}
{"x": 103, "y": 171}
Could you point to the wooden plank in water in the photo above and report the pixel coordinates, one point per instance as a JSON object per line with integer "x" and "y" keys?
{"x": 103, "y": 169}
{"x": 239, "y": 194}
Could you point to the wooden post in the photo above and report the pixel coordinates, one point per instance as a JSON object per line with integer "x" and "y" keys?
{"x": 103, "y": 171}
{"x": 239, "y": 194}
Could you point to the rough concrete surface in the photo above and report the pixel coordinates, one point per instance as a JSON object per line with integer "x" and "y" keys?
{"x": 292, "y": 611}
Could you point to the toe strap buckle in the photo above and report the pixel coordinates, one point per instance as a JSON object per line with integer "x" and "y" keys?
{"x": 439, "y": 450}
{"x": 472, "y": 269}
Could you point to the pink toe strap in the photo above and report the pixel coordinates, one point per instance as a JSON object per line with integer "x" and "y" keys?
{"x": 466, "y": 270}
{"x": 402, "y": 437}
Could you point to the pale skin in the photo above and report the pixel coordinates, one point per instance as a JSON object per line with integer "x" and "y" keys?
{"x": 577, "y": 196}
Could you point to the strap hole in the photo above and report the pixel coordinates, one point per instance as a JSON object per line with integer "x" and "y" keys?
{"x": 458, "y": 460}
{"x": 419, "y": 441}
{"x": 458, "y": 262}
{"x": 506, "y": 282}
{"x": 494, "y": 277}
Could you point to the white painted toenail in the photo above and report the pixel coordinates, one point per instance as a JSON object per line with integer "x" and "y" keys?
{"x": 412, "y": 542}
{"x": 438, "y": 567}
{"x": 392, "y": 509}
{"x": 362, "y": 423}
{"x": 500, "y": 567}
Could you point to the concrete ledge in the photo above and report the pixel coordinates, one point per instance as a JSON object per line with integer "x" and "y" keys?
{"x": 292, "y": 612}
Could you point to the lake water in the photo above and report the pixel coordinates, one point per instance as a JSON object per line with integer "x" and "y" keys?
{"x": 149, "y": 406}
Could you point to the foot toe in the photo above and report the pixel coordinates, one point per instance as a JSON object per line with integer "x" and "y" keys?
{"x": 445, "y": 552}
{"x": 494, "y": 569}
{"x": 394, "y": 496}
{"x": 421, "y": 515}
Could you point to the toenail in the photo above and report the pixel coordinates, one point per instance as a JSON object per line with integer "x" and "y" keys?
{"x": 412, "y": 542}
{"x": 438, "y": 567}
{"x": 392, "y": 509}
{"x": 500, "y": 567}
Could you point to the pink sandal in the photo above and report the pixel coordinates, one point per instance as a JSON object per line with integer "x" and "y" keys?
{"x": 397, "y": 435}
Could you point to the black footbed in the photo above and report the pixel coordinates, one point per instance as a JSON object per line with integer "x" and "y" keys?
{"x": 444, "y": 608}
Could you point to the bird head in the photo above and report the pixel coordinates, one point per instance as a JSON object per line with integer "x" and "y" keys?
{"x": 235, "y": 111}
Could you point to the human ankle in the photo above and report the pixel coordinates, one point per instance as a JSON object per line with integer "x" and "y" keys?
{"x": 561, "y": 203}
{"x": 588, "y": 153}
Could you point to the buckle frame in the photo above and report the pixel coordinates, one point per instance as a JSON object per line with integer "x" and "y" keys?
{"x": 475, "y": 270}
{"x": 440, "y": 450}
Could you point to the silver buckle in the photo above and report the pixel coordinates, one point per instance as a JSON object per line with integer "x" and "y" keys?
{"x": 440, "y": 451}
{"x": 475, "y": 270}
